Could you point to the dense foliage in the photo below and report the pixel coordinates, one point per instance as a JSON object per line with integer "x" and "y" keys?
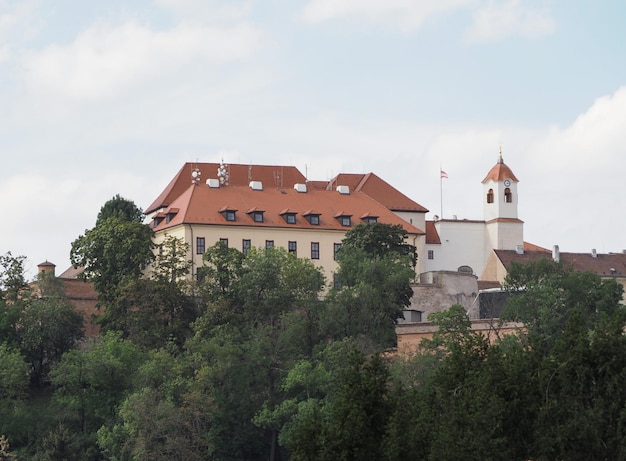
{"x": 258, "y": 361}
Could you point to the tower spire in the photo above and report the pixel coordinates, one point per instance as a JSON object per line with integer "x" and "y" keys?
{"x": 500, "y": 156}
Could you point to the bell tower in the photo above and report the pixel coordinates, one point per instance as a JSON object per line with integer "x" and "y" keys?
{"x": 500, "y": 192}
{"x": 500, "y": 200}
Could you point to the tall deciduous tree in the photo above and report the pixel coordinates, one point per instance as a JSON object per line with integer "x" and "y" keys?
{"x": 575, "y": 340}
{"x": 372, "y": 285}
{"x": 154, "y": 310}
{"x": 116, "y": 250}
{"x": 91, "y": 383}
{"x": 262, "y": 325}
{"x": 121, "y": 208}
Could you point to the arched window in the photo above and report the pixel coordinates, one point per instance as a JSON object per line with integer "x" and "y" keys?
{"x": 508, "y": 196}
{"x": 490, "y": 196}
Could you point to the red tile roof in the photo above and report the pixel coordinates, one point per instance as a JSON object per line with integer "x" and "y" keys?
{"x": 432, "y": 236}
{"x": 532, "y": 247}
{"x": 238, "y": 175}
{"x": 202, "y": 204}
{"x": 500, "y": 172}
{"x": 581, "y": 262}
{"x": 378, "y": 189}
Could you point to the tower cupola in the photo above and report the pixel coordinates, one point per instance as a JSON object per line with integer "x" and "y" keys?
{"x": 500, "y": 192}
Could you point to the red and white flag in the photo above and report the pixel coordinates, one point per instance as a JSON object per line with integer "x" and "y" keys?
{"x": 444, "y": 174}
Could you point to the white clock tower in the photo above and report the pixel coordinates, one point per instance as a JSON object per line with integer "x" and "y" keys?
{"x": 500, "y": 199}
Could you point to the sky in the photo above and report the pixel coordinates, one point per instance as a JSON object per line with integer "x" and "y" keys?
{"x": 104, "y": 98}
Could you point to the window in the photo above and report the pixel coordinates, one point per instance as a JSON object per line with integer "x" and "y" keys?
{"x": 412, "y": 316}
{"x": 313, "y": 218}
{"x": 370, "y": 219}
{"x": 336, "y": 247}
{"x": 245, "y": 246}
{"x": 336, "y": 282}
{"x": 431, "y": 254}
{"x": 345, "y": 219}
{"x": 508, "y": 196}
{"x": 229, "y": 215}
{"x": 200, "y": 245}
{"x": 269, "y": 244}
{"x": 490, "y": 196}
{"x": 257, "y": 216}
{"x": 290, "y": 218}
{"x": 315, "y": 250}
{"x": 224, "y": 241}
{"x": 292, "y": 247}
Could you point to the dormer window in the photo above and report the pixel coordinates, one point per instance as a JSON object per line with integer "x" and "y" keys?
{"x": 344, "y": 218}
{"x": 490, "y": 196}
{"x": 228, "y": 213}
{"x": 256, "y": 214}
{"x": 158, "y": 218}
{"x": 169, "y": 214}
{"x": 508, "y": 196}
{"x": 312, "y": 217}
{"x": 288, "y": 215}
{"x": 369, "y": 218}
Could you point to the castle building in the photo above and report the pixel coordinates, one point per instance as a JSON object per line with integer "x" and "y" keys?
{"x": 262, "y": 206}
{"x": 465, "y": 245}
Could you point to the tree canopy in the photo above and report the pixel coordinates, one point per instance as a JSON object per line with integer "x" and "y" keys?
{"x": 115, "y": 251}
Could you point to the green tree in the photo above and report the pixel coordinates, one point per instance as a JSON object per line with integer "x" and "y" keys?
{"x": 343, "y": 406}
{"x": 120, "y": 208}
{"x": 261, "y": 323}
{"x": 152, "y": 312}
{"x": 379, "y": 239}
{"x": 575, "y": 341}
{"x": 91, "y": 383}
{"x": 13, "y": 293}
{"x": 220, "y": 272}
{"x": 372, "y": 285}
{"x": 114, "y": 252}
{"x": 12, "y": 278}
{"x": 48, "y": 328}
{"x": 151, "y": 427}
{"x": 13, "y": 385}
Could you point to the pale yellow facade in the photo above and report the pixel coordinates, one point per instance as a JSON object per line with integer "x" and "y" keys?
{"x": 259, "y": 236}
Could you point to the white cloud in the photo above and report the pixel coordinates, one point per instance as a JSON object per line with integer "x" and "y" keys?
{"x": 596, "y": 138}
{"x": 16, "y": 23}
{"x": 47, "y": 213}
{"x": 406, "y": 15}
{"x": 500, "y": 20}
{"x": 105, "y": 60}
{"x": 209, "y": 11}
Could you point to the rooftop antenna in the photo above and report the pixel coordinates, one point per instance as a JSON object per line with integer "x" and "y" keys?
{"x": 195, "y": 174}
{"x": 223, "y": 173}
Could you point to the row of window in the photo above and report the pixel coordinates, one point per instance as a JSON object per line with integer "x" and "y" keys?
{"x": 312, "y": 217}
{"x": 246, "y": 244}
{"x": 508, "y": 196}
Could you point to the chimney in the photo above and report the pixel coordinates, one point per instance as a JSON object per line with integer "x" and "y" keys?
{"x": 519, "y": 249}
{"x": 594, "y": 253}
{"x": 556, "y": 256}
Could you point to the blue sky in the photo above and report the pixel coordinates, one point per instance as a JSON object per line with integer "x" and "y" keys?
{"x": 99, "y": 98}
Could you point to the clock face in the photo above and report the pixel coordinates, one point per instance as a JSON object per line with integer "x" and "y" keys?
{"x": 507, "y": 182}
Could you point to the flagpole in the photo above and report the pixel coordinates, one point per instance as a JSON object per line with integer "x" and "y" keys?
{"x": 441, "y": 190}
